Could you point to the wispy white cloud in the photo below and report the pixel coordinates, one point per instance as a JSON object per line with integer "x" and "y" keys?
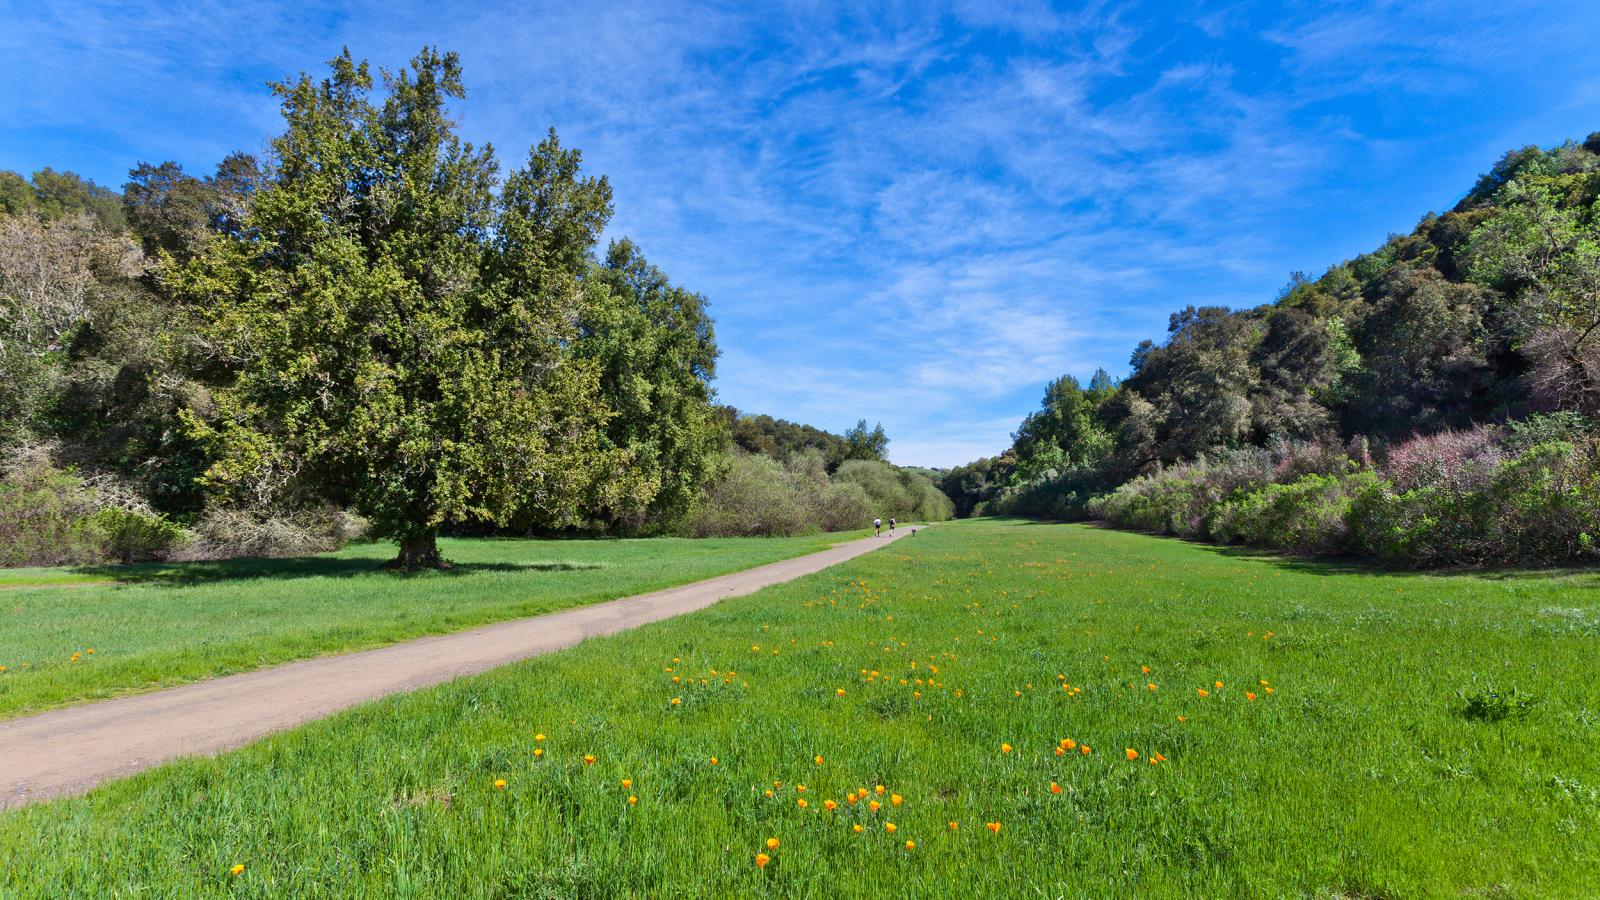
{"x": 914, "y": 213}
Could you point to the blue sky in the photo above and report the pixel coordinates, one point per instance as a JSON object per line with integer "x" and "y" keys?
{"x": 910, "y": 213}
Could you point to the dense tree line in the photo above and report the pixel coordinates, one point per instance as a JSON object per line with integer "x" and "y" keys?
{"x": 1478, "y": 319}
{"x": 370, "y": 317}
{"x": 783, "y": 440}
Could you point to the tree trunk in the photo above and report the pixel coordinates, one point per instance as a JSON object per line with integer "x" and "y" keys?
{"x": 419, "y": 551}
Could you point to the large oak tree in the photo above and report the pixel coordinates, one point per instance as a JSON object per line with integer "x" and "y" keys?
{"x": 401, "y": 325}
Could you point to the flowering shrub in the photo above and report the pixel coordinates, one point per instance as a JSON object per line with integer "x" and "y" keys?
{"x": 1460, "y": 459}
{"x": 1540, "y": 507}
{"x": 1179, "y": 499}
{"x": 1483, "y": 496}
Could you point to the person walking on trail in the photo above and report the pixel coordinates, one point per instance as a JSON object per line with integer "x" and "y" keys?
{"x": 891, "y": 525}
{"x": 877, "y": 528}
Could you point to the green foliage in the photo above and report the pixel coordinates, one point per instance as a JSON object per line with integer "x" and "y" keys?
{"x": 782, "y": 439}
{"x": 1060, "y": 495}
{"x": 51, "y": 517}
{"x": 657, "y": 354}
{"x": 130, "y": 536}
{"x": 1495, "y": 705}
{"x": 1545, "y": 256}
{"x": 971, "y": 486}
{"x": 175, "y": 213}
{"x": 755, "y": 494}
{"x": 46, "y": 517}
{"x": 901, "y": 493}
{"x": 1451, "y": 500}
{"x": 1066, "y": 431}
{"x": 1196, "y": 387}
{"x": 1308, "y": 515}
{"x": 866, "y": 443}
{"x": 1542, "y": 428}
{"x": 52, "y": 195}
{"x": 402, "y": 335}
{"x": 1181, "y": 499}
{"x": 1540, "y": 507}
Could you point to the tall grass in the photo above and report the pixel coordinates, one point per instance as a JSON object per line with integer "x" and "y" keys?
{"x": 1409, "y": 736}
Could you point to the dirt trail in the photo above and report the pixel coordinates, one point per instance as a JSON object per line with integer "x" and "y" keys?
{"x": 69, "y": 751}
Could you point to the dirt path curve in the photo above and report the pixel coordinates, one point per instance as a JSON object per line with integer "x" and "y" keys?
{"x": 69, "y": 751}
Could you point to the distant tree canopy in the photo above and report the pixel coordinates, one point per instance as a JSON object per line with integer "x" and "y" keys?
{"x": 782, "y": 439}
{"x": 1489, "y": 312}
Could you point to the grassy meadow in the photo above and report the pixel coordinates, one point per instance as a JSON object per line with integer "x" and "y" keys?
{"x": 988, "y": 708}
{"x": 81, "y": 633}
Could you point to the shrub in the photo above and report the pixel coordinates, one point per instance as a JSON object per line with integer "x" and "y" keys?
{"x": 843, "y": 506}
{"x": 1054, "y": 495}
{"x": 45, "y": 517}
{"x": 53, "y": 517}
{"x": 1459, "y": 459}
{"x": 1482, "y": 496}
{"x": 896, "y": 492}
{"x": 1540, "y": 507}
{"x": 1179, "y": 499}
{"x": 223, "y": 532}
{"x": 128, "y": 535}
{"x": 1544, "y": 505}
{"x": 754, "y": 495}
{"x": 1542, "y": 428}
{"x": 1307, "y": 515}
{"x": 1293, "y": 459}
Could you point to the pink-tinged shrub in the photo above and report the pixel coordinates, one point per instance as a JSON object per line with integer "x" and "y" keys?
{"x": 1528, "y": 494}
{"x": 1542, "y": 506}
{"x": 1454, "y": 460}
{"x": 1294, "y": 460}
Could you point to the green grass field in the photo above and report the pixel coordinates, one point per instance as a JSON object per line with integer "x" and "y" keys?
{"x": 1409, "y": 736}
{"x": 68, "y": 635}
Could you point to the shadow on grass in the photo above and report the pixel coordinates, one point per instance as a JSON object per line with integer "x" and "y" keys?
{"x": 296, "y": 567}
{"x": 1579, "y": 575}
